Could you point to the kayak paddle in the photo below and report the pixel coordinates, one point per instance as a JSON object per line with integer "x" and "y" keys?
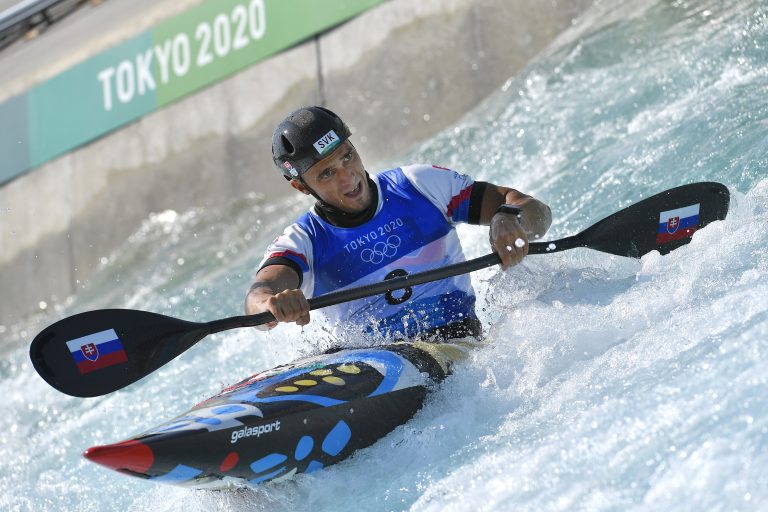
{"x": 98, "y": 352}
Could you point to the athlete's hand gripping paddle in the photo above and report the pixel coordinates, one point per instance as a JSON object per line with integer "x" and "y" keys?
{"x": 97, "y": 352}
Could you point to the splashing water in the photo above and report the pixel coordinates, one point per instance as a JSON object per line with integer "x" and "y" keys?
{"x": 608, "y": 383}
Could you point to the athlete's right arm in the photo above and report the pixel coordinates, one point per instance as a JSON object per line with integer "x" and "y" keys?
{"x": 275, "y": 290}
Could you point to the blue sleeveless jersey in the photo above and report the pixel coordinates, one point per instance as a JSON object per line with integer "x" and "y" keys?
{"x": 413, "y": 230}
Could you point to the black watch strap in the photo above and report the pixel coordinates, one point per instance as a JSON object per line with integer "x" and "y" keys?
{"x": 510, "y": 209}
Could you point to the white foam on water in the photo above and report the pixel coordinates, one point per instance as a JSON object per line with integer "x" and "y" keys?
{"x": 607, "y": 383}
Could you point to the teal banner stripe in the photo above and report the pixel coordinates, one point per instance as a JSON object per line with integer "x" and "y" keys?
{"x": 72, "y": 108}
{"x": 174, "y": 59}
{"x": 14, "y": 137}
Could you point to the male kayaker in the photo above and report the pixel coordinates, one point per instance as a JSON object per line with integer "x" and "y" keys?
{"x": 364, "y": 228}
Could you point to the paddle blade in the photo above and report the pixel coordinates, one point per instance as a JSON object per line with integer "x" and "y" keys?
{"x": 97, "y": 352}
{"x": 661, "y": 223}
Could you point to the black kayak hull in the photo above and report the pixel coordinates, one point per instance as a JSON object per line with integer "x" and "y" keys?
{"x": 296, "y": 418}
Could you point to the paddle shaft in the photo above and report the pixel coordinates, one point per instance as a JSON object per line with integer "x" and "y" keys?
{"x": 390, "y": 285}
{"x": 141, "y": 341}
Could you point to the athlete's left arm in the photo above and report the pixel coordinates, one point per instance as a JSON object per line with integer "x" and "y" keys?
{"x": 509, "y": 234}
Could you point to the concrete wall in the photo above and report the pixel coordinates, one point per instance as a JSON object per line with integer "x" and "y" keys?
{"x": 397, "y": 74}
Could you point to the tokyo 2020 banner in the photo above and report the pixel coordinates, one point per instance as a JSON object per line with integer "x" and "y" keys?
{"x": 173, "y": 59}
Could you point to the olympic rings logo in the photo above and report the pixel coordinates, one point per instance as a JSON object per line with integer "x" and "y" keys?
{"x": 381, "y": 250}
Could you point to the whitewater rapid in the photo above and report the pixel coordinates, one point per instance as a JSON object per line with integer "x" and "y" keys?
{"x": 608, "y": 383}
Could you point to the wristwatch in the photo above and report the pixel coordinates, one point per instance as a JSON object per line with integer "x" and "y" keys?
{"x": 510, "y": 209}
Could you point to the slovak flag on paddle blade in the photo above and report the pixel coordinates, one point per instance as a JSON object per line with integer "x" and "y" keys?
{"x": 97, "y": 351}
{"x": 677, "y": 224}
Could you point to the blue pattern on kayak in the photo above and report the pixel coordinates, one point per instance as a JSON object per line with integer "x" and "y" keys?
{"x": 393, "y": 368}
{"x": 389, "y": 364}
{"x": 322, "y": 401}
{"x": 228, "y": 409}
{"x": 337, "y": 438}
{"x": 314, "y": 466}
{"x": 333, "y": 443}
{"x": 267, "y": 477}
{"x": 268, "y": 462}
{"x": 304, "y": 447}
{"x": 180, "y": 473}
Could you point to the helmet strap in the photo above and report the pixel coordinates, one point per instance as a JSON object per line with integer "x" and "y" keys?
{"x": 341, "y": 218}
{"x": 312, "y": 192}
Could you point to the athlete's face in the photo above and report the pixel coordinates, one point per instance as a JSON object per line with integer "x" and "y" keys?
{"x": 339, "y": 179}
